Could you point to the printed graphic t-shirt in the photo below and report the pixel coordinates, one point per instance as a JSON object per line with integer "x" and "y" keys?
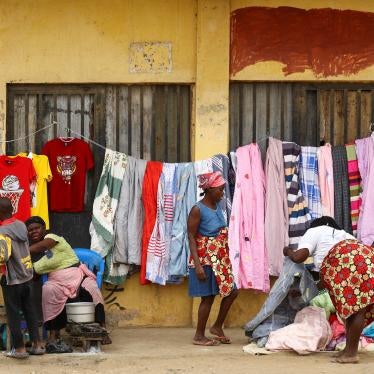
{"x": 39, "y": 205}
{"x": 69, "y": 159}
{"x": 16, "y": 175}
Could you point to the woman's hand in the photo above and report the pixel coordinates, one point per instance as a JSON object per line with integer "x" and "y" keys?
{"x": 285, "y": 251}
{"x": 200, "y": 273}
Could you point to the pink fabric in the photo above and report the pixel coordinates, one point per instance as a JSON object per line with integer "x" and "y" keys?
{"x": 276, "y": 209}
{"x": 326, "y": 179}
{"x": 365, "y": 157}
{"x": 310, "y": 332}
{"x": 211, "y": 180}
{"x": 337, "y": 329}
{"x": 64, "y": 284}
{"x": 246, "y": 229}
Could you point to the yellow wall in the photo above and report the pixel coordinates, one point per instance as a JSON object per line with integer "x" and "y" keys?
{"x": 88, "y": 41}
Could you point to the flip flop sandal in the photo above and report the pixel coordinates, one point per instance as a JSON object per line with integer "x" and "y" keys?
{"x": 19, "y": 355}
{"x": 222, "y": 339}
{"x": 208, "y": 343}
{"x": 36, "y": 351}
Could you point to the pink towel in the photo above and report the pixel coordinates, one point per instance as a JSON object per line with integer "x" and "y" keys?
{"x": 64, "y": 284}
{"x": 310, "y": 332}
{"x": 246, "y": 230}
{"x": 326, "y": 179}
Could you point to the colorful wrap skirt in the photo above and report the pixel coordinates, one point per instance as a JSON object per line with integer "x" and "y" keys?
{"x": 214, "y": 252}
{"x": 348, "y": 274}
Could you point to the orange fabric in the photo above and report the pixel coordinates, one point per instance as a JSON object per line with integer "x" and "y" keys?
{"x": 149, "y": 197}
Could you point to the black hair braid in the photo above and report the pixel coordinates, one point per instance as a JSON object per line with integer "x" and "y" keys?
{"x": 325, "y": 221}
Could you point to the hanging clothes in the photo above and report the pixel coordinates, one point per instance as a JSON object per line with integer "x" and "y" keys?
{"x": 276, "y": 210}
{"x": 309, "y": 183}
{"x": 43, "y": 171}
{"x": 354, "y": 178}
{"x": 130, "y": 215}
{"x": 159, "y": 243}
{"x": 246, "y": 230}
{"x": 365, "y": 157}
{"x": 104, "y": 211}
{"x": 70, "y": 159}
{"x": 202, "y": 167}
{"x": 299, "y": 217}
{"x": 152, "y": 174}
{"x": 341, "y": 189}
{"x": 221, "y": 163}
{"x": 185, "y": 179}
{"x": 17, "y": 174}
{"x": 326, "y": 179}
{"x": 232, "y": 174}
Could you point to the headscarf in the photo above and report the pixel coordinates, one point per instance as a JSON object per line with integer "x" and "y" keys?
{"x": 211, "y": 180}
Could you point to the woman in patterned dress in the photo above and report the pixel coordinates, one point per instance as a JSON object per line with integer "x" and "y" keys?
{"x": 347, "y": 271}
{"x": 210, "y": 270}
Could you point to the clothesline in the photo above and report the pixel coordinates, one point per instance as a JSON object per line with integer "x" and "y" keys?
{"x": 28, "y": 135}
{"x": 85, "y": 138}
{"x": 55, "y": 123}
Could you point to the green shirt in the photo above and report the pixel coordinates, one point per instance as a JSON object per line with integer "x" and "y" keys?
{"x": 61, "y": 256}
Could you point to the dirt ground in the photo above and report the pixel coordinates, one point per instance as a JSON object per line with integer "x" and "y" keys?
{"x": 169, "y": 351}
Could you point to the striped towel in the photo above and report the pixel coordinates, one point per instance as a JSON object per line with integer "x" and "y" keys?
{"x": 158, "y": 254}
{"x": 354, "y": 178}
{"x": 298, "y": 211}
{"x": 342, "y": 206}
{"x": 309, "y": 181}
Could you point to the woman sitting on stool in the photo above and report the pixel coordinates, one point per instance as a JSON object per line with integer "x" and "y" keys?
{"x": 68, "y": 281}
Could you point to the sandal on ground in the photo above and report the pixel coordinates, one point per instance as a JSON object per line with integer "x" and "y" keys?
{"x": 207, "y": 343}
{"x": 222, "y": 339}
{"x": 14, "y": 354}
{"x": 36, "y": 351}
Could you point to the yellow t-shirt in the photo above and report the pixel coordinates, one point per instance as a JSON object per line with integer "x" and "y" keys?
{"x": 5, "y": 248}
{"x": 44, "y": 175}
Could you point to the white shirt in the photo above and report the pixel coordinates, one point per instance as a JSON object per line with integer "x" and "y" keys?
{"x": 319, "y": 240}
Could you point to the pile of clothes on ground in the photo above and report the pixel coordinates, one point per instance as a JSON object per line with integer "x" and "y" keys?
{"x": 296, "y": 316}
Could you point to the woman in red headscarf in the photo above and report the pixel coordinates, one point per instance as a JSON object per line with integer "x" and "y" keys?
{"x": 210, "y": 271}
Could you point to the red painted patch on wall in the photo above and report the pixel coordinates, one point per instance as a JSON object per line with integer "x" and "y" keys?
{"x": 328, "y": 41}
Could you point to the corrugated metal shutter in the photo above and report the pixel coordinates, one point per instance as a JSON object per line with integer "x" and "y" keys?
{"x": 145, "y": 121}
{"x": 304, "y": 113}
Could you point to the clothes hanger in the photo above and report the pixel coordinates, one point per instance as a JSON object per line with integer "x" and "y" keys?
{"x": 67, "y": 138}
{"x": 64, "y": 139}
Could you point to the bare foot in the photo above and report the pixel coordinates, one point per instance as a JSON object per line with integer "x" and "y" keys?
{"x": 338, "y": 354}
{"x": 344, "y": 359}
{"x": 217, "y": 331}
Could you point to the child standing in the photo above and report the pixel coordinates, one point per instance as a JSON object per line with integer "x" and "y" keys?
{"x": 16, "y": 283}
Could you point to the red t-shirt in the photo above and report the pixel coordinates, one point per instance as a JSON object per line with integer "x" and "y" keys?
{"x": 69, "y": 161}
{"x": 16, "y": 175}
